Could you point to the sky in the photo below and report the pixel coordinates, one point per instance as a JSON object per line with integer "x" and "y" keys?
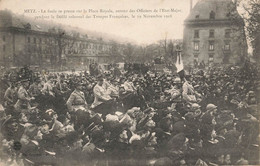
{"x": 141, "y": 31}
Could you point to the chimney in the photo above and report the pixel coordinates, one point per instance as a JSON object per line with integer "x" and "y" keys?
{"x": 191, "y": 5}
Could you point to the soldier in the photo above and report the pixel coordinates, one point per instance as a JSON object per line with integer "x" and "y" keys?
{"x": 35, "y": 88}
{"x": 176, "y": 90}
{"x": 189, "y": 94}
{"x": 128, "y": 85}
{"x": 106, "y": 82}
{"x": 24, "y": 98}
{"x": 102, "y": 102}
{"x": 35, "y": 91}
{"x": 9, "y": 97}
{"x": 77, "y": 99}
{"x": 48, "y": 87}
{"x": 113, "y": 89}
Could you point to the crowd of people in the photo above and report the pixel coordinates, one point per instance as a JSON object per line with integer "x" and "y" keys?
{"x": 136, "y": 118}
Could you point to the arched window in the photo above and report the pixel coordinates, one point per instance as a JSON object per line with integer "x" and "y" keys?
{"x": 212, "y": 15}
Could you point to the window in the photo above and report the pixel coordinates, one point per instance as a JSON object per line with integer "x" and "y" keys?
{"x": 196, "y": 45}
{"x": 3, "y": 48}
{"x": 4, "y": 38}
{"x": 227, "y": 46}
{"x": 227, "y": 33}
{"x": 211, "y": 33}
{"x": 28, "y": 39}
{"x": 211, "y": 57}
{"x": 40, "y": 40}
{"x": 196, "y": 34}
{"x": 212, "y": 15}
{"x": 211, "y": 45}
{"x": 197, "y": 16}
{"x": 196, "y": 57}
{"x": 34, "y": 40}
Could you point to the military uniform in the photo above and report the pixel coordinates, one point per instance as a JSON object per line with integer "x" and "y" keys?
{"x": 23, "y": 99}
{"x": 102, "y": 103}
{"x": 48, "y": 88}
{"x": 9, "y": 96}
{"x": 188, "y": 92}
{"x": 106, "y": 84}
{"x": 35, "y": 89}
{"x": 100, "y": 95}
{"x": 175, "y": 93}
{"x": 113, "y": 91}
{"x": 76, "y": 100}
{"x": 128, "y": 86}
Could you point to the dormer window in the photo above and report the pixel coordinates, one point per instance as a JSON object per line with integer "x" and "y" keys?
{"x": 211, "y": 45}
{"x": 212, "y": 15}
{"x": 211, "y": 33}
{"x": 197, "y": 16}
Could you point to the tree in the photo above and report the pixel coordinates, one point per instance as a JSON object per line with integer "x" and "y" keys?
{"x": 170, "y": 49}
{"x": 163, "y": 45}
{"x": 252, "y": 17}
{"x": 60, "y": 40}
{"x": 151, "y": 52}
{"x": 114, "y": 53}
{"x": 128, "y": 52}
{"x": 238, "y": 35}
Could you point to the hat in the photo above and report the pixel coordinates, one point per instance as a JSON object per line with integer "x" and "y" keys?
{"x": 132, "y": 110}
{"x": 77, "y": 83}
{"x": 179, "y": 126}
{"x": 148, "y": 110}
{"x": 163, "y": 161}
{"x": 134, "y": 137}
{"x": 177, "y": 141}
{"x": 49, "y": 111}
{"x": 117, "y": 130}
{"x": 110, "y": 117}
{"x": 210, "y": 107}
{"x": 24, "y": 80}
{"x": 126, "y": 119}
{"x": 195, "y": 106}
{"x": 177, "y": 80}
{"x": 29, "y": 128}
{"x": 110, "y": 125}
{"x": 99, "y": 78}
{"x": 189, "y": 116}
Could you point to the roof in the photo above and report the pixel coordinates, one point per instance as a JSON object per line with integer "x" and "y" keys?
{"x": 221, "y": 8}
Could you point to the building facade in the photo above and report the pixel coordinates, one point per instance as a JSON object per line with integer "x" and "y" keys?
{"x": 24, "y": 42}
{"x": 214, "y": 33}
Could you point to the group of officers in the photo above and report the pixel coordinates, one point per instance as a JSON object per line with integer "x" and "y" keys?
{"x": 106, "y": 92}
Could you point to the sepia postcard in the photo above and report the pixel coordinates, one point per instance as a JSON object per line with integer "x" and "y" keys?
{"x": 129, "y": 82}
